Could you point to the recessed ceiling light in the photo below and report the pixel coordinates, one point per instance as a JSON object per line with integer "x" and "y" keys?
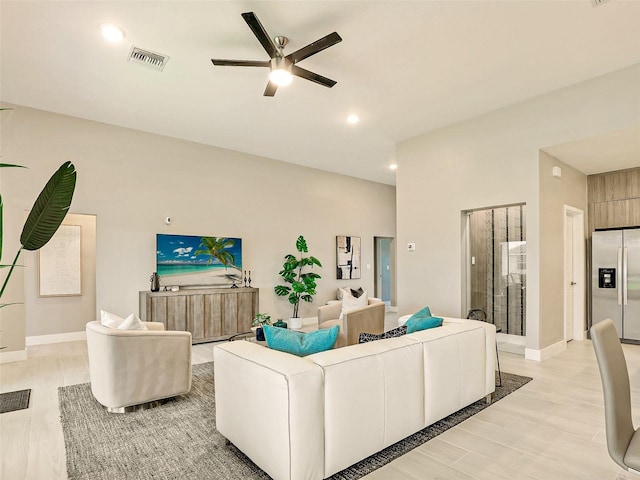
{"x": 111, "y": 33}
{"x": 353, "y": 119}
{"x": 393, "y": 166}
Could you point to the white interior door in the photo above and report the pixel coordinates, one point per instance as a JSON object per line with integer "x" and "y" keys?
{"x": 575, "y": 265}
{"x": 569, "y": 276}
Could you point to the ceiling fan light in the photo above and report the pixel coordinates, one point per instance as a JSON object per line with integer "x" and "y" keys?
{"x": 280, "y": 77}
{"x": 111, "y": 33}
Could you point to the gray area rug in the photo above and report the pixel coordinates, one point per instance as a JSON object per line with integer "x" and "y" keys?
{"x": 179, "y": 440}
{"x": 12, "y": 401}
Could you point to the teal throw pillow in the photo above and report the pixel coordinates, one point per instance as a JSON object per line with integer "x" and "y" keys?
{"x": 424, "y": 313}
{"x": 422, "y": 323}
{"x": 301, "y": 343}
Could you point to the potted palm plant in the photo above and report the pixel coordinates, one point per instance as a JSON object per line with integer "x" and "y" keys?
{"x": 300, "y": 282}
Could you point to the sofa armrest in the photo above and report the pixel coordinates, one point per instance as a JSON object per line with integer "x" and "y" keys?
{"x": 329, "y": 312}
{"x": 369, "y": 319}
{"x": 156, "y": 326}
{"x": 269, "y": 404}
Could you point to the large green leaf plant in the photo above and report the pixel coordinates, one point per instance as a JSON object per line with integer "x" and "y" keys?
{"x": 301, "y": 283}
{"x": 45, "y": 217}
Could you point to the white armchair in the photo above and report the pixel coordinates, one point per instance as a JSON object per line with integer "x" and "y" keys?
{"x": 132, "y": 369}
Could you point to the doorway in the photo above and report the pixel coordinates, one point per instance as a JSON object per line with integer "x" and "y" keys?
{"x": 574, "y": 274}
{"x": 384, "y": 269}
{"x": 496, "y": 267}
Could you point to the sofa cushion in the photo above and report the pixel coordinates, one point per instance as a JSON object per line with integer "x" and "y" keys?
{"x": 132, "y": 322}
{"x": 425, "y": 312}
{"x": 422, "y": 323}
{"x": 357, "y": 292}
{"x": 349, "y": 302}
{"x": 370, "y": 337}
{"x": 301, "y": 343}
{"x": 110, "y": 320}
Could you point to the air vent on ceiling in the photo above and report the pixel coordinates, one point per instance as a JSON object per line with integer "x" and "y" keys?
{"x": 153, "y": 60}
{"x": 598, "y": 2}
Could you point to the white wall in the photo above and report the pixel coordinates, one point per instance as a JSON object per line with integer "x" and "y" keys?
{"x": 487, "y": 161}
{"x": 555, "y": 193}
{"x": 132, "y": 180}
{"x": 54, "y": 315}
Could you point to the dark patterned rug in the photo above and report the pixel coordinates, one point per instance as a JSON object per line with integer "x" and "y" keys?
{"x": 179, "y": 440}
{"x": 12, "y": 401}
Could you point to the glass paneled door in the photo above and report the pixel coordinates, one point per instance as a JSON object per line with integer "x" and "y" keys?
{"x": 497, "y": 266}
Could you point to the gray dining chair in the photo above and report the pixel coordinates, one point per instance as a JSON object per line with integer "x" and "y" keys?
{"x": 623, "y": 440}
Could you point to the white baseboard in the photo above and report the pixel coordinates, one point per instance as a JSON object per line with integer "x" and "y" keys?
{"x": 545, "y": 353}
{"x": 515, "y": 339}
{"x": 55, "y": 338}
{"x": 15, "y": 356}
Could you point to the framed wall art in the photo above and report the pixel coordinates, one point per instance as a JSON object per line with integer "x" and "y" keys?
{"x": 59, "y": 264}
{"x": 347, "y": 257}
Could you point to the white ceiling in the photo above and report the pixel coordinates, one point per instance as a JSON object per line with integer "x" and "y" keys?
{"x": 406, "y": 67}
{"x": 603, "y": 153}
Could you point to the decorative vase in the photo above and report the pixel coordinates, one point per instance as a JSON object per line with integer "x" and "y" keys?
{"x": 280, "y": 324}
{"x": 260, "y": 334}
{"x": 295, "y": 323}
{"x": 155, "y": 282}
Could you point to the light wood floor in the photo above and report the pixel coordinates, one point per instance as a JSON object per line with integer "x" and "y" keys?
{"x": 552, "y": 428}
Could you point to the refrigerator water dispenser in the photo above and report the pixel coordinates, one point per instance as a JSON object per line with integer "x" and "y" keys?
{"x": 606, "y": 278}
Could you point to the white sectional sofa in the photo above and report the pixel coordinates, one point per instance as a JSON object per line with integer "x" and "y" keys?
{"x": 308, "y": 418}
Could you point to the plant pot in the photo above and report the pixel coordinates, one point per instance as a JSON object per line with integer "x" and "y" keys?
{"x": 260, "y": 334}
{"x": 295, "y": 323}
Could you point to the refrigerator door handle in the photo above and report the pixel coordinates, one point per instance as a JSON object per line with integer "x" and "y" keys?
{"x": 618, "y": 275}
{"x": 625, "y": 258}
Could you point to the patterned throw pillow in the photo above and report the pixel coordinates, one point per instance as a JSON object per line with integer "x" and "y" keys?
{"x": 370, "y": 337}
{"x": 357, "y": 293}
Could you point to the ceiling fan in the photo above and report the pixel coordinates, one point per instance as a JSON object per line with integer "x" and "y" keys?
{"x": 282, "y": 67}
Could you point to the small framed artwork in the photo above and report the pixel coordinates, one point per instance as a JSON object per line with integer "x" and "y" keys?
{"x": 347, "y": 257}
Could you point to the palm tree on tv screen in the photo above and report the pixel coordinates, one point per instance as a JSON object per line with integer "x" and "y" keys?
{"x": 217, "y": 249}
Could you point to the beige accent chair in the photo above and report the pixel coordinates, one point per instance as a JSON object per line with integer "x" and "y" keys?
{"x": 135, "y": 369}
{"x": 369, "y": 319}
{"x": 623, "y": 440}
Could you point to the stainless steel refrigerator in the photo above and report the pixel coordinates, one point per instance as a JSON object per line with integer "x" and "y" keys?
{"x": 615, "y": 280}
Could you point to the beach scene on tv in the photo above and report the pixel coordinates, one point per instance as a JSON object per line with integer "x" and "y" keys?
{"x": 192, "y": 260}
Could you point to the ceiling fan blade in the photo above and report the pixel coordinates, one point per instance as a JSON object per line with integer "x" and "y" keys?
{"x": 314, "y": 77}
{"x": 260, "y": 33}
{"x": 241, "y": 63}
{"x": 315, "y": 47}
{"x": 270, "y": 91}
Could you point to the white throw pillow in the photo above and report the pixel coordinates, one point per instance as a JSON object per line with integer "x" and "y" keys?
{"x": 110, "y": 320}
{"x": 341, "y": 291}
{"x": 349, "y": 302}
{"x": 132, "y": 322}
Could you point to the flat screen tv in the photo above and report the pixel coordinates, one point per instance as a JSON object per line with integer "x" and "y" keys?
{"x": 192, "y": 260}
